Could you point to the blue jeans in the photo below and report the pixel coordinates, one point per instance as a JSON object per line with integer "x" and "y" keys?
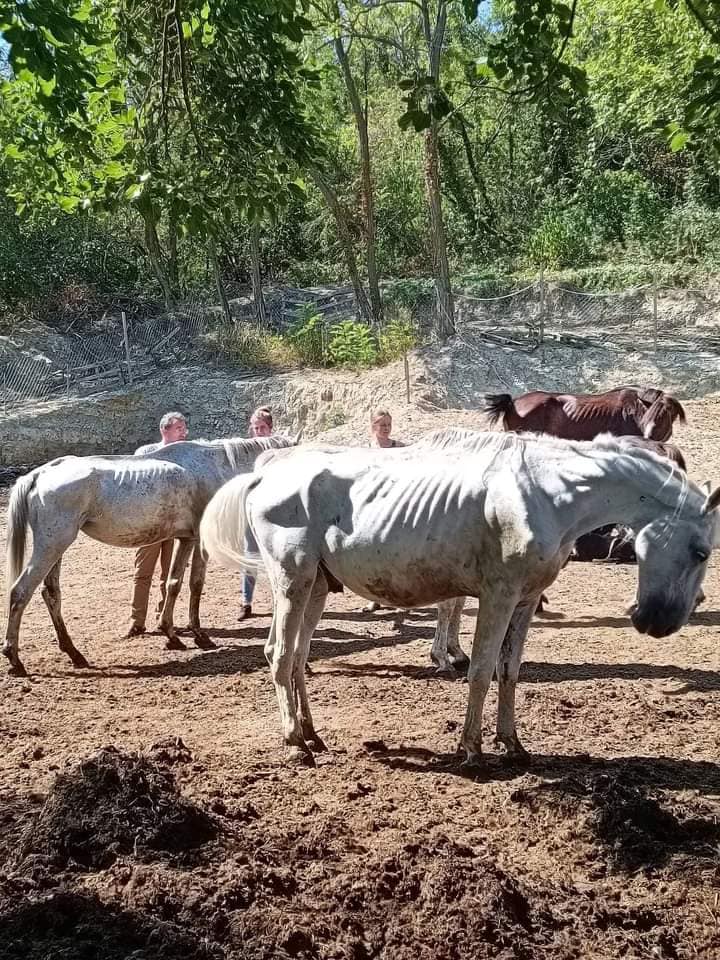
{"x": 248, "y": 588}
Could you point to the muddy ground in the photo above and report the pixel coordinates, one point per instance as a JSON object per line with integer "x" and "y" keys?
{"x": 191, "y": 838}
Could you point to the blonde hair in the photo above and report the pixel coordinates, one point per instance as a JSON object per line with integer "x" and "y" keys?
{"x": 379, "y": 412}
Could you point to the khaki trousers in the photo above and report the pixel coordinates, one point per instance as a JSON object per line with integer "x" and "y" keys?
{"x": 146, "y": 559}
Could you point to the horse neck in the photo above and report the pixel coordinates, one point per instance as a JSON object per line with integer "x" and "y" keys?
{"x": 631, "y": 490}
{"x": 239, "y": 455}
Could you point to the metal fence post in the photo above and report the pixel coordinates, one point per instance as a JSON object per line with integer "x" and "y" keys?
{"x": 407, "y": 378}
{"x": 127, "y": 346}
{"x": 541, "y": 325}
{"x": 655, "y": 310}
{"x": 5, "y": 392}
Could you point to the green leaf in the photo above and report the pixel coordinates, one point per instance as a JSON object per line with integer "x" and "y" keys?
{"x": 114, "y": 170}
{"x": 679, "y": 140}
{"x": 14, "y": 152}
{"x": 134, "y": 192}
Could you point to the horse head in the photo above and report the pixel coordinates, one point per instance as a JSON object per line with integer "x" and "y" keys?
{"x": 657, "y": 421}
{"x": 673, "y": 553}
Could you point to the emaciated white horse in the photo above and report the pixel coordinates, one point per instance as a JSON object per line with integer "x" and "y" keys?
{"x": 124, "y": 501}
{"x": 497, "y": 525}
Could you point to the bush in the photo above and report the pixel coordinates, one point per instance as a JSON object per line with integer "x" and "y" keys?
{"x": 352, "y": 345}
{"x": 397, "y": 337}
{"x": 561, "y": 239}
{"x": 307, "y": 336}
{"x": 247, "y": 346}
{"x": 691, "y": 231}
{"x": 620, "y": 205}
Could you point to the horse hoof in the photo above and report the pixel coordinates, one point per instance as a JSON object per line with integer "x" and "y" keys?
{"x": 309, "y": 672}
{"x": 300, "y": 757}
{"x": 17, "y": 670}
{"x": 473, "y": 763}
{"x": 204, "y": 642}
{"x": 460, "y": 664}
{"x": 80, "y": 663}
{"x": 445, "y": 673}
{"x": 317, "y": 744}
{"x": 174, "y": 643}
{"x": 514, "y": 750}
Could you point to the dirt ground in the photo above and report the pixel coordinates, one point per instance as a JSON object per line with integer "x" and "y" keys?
{"x": 193, "y": 838}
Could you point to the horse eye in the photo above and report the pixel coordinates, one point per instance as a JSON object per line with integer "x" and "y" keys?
{"x": 701, "y": 555}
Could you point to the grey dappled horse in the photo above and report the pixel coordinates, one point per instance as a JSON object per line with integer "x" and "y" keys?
{"x": 124, "y": 501}
{"x": 497, "y": 524}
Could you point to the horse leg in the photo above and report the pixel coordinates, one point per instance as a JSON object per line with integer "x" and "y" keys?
{"x": 43, "y": 559}
{"x": 165, "y": 625}
{"x": 291, "y": 598}
{"x": 495, "y": 609}
{"x": 313, "y": 613}
{"x": 53, "y": 601}
{"x": 197, "y": 582}
{"x": 508, "y": 668}
{"x": 439, "y": 649}
{"x": 458, "y": 658}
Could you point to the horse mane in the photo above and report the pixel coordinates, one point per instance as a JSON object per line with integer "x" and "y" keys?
{"x": 237, "y": 447}
{"x": 455, "y": 436}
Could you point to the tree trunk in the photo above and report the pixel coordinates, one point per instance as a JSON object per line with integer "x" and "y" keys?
{"x": 219, "y": 285}
{"x": 445, "y": 321}
{"x": 173, "y": 273}
{"x": 260, "y": 310}
{"x": 434, "y": 38}
{"x": 368, "y": 200}
{"x": 341, "y": 222}
{"x": 154, "y": 251}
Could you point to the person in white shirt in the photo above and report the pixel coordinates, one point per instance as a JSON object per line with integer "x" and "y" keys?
{"x": 173, "y": 427}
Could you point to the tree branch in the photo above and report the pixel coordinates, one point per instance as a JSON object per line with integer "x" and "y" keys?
{"x": 184, "y": 76}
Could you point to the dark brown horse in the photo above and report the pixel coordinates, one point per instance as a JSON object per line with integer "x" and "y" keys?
{"x": 626, "y": 411}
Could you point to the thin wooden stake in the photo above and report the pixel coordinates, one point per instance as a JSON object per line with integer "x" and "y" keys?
{"x": 126, "y": 339}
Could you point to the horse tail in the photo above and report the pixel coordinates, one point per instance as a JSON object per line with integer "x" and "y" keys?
{"x": 497, "y": 405}
{"x": 225, "y": 535}
{"x": 17, "y": 524}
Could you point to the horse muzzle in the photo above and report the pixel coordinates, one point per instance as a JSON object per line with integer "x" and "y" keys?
{"x": 658, "y": 618}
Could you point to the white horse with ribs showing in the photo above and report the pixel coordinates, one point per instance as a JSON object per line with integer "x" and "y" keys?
{"x": 124, "y": 501}
{"x": 497, "y": 524}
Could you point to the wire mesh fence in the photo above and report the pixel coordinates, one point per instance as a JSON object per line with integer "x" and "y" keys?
{"x": 534, "y": 315}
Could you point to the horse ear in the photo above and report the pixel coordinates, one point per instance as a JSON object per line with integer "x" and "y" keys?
{"x": 712, "y": 502}
{"x": 706, "y": 486}
{"x": 297, "y": 437}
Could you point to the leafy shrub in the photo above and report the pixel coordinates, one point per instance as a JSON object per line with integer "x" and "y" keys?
{"x": 397, "y": 337}
{"x": 620, "y": 205}
{"x": 692, "y": 231}
{"x": 307, "y": 335}
{"x": 352, "y": 345}
{"x": 561, "y": 239}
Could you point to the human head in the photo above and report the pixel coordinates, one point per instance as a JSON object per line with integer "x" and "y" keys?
{"x": 261, "y": 422}
{"x": 381, "y": 424}
{"x": 173, "y": 427}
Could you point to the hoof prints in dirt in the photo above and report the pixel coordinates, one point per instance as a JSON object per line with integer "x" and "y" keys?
{"x": 107, "y": 806}
{"x": 635, "y": 829}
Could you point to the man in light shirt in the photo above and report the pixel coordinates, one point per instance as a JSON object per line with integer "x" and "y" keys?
{"x": 173, "y": 427}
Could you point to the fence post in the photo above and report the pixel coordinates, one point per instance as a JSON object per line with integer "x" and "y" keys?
{"x": 127, "y": 345}
{"x": 541, "y": 281}
{"x": 407, "y": 378}
{"x": 67, "y": 381}
{"x": 5, "y": 398}
{"x": 655, "y": 310}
